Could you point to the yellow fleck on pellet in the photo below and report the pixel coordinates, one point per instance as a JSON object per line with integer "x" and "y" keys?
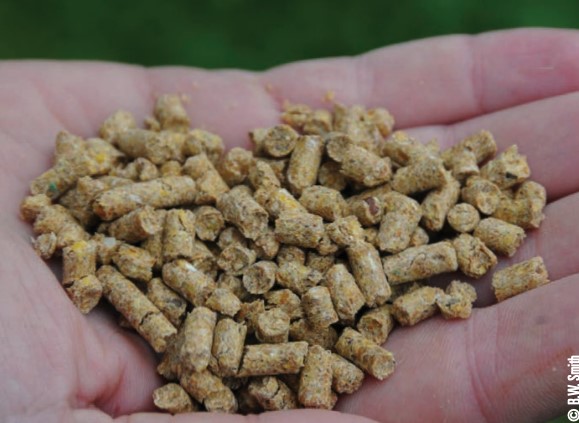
{"x": 368, "y": 272}
{"x": 304, "y": 163}
{"x": 228, "y": 341}
{"x": 273, "y": 359}
{"x": 482, "y": 194}
{"x": 474, "y": 258}
{"x": 272, "y": 326}
{"x": 136, "y": 308}
{"x": 174, "y": 399}
{"x": 420, "y": 262}
{"x": 278, "y": 201}
{"x": 508, "y": 169}
{"x": 272, "y": 394}
{"x": 417, "y": 305}
{"x": 376, "y": 324}
{"x": 463, "y": 217}
{"x": 501, "y": 237}
{"x": 187, "y": 280}
{"x": 326, "y": 337}
{"x": 519, "y": 278}
{"x": 315, "y": 389}
{"x": 240, "y": 209}
{"x": 346, "y": 377}
{"x": 366, "y": 354}
{"x": 170, "y": 191}
{"x": 346, "y": 296}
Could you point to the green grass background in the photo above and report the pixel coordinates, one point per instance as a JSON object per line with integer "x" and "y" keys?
{"x": 250, "y": 34}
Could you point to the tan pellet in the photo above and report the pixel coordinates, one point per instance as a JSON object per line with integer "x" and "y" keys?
{"x": 508, "y": 169}
{"x": 134, "y": 262}
{"x": 272, "y": 326}
{"x": 318, "y": 307}
{"x": 279, "y": 141}
{"x": 437, "y": 204}
{"x": 157, "y": 147}
{"x": 187, "y": 280}
{"x": 228, "y": 341}
{"x": 463, "y": 158}
{"x": 369, "y": 211}
{"x": 198, "y": 141}
{"x": 240, "y": 209}
{"x": 170, "y": 191}
{"x": 170, "y": 168}
{"x": 297, "y": 277}
{"x": 45, "y": 245}
{"x": 85, "y": 293}
{"x": 365, "y": 353}
{"x": 482, "y": 194}
{"x": 304, "y": 163}
{"x": 519, "y": 278}
{"x": 417, "y": 305}
{"x": 299, "y": 229}
{"x": 501, "y": 237}
{"x": 474, "y": 258}
{"x": 235, "y": 259}
{"x": 266, "y": 246}
{"x": 526, "y": 208}
{"x": 418, "y": 177}
{"x": 115, "y": 124}
{"x": 260, "y": 277}
{"x": 272, "y": 394}
{"x": 230, "y": 235}
{"x": 136, "y": 308}
{"x": 399, "y": 223}
{"x": 234, "y": 166}
{"x": 223, "y": 301}
{"x": 285, "y": 300}
{"x": 368, "y": 272}
{"x": 196, "y": 339}
{"x": 261, "y": 175}
{"x": 403, "y": 149}
{"x": 171, "y": 304}
{"x": 315, "y": 389}
{"x": 420, "y": 262}
{"x": 346, "y": 377}
{"x": 300, "y": 116}
{"x": 58, "y": 220}
{"x": 346, "y": 296}
{"x": 248, "y": 313}
{"x": 457, "y": 303}
{"x": 289, "y": 253}
{"x": 136, "y": 226}
{"x": 344, "y": 231}
{"x": 174, "y": 399}
{"x": 376, "y": 324}
{"x": 419, "y": 237}
{"x": 170, "y": 113}
{"x": 329, "y": 176}
{"x": 323, "y": 201}
{"x": 179, "y": 235}
{"x": 209, "y": 223}
{"x": 209, "y": 389}
{"x": 321, "y": 263}
{"x": 210, "y": 185}
{"x": 278, "y": 201}
{"x": 273, "y": 359}
{"x": 326, "y": 337}
{"x": 463, "y": 217}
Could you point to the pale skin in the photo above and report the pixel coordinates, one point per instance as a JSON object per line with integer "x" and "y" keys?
{"x": 507, "y": 363}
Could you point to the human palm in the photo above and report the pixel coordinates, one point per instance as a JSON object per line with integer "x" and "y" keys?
{"x": 506, "y": 363}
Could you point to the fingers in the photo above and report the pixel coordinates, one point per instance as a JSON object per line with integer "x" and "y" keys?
{"x": 555, "y": 241}
{"x": 506, "y": 363}
{"x": 441, "y": 80}
{"x": 545, "y": 132}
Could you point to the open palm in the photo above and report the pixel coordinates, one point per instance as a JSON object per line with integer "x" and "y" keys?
{"x": 506, "y": 363}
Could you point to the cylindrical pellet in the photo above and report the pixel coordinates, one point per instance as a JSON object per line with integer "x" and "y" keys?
{"x": 170, "y": 113}
{"x": 344, "y": 231}
{"x": 85, "y": 293}
{"x": 473, "y": 256}
{"x": 366, "y": 354}
{"x": 174, "y": 399}
{"x": 78, "y": 261}
{"x": 240, "y": 209}
{"x": 464, "y": 157}
{"x": 438, "y": 202}
{"x": 187, "y": 280}
{"x": 134, "y": 262}
{"x": 368, "y": 272}
{"x": 297, "y": 277}
{"x": 482, "y": 194}
{"x": 376, "y": 324}
{"x": 235, "y": 259}
{"x": 318, "y": 307}
{"x": 507, "y": 170}
{"x": 210, "y": 185}
{"x": 273, "y": 359}
{"x": 300, "y": 229}
{"x": 196, "y": 339}
{"x": 416, "y": 305}
{"x": 346, "y": 296}
{"x": 315, "y": 390}
{"x": 285, "y": 300}
{"x": 323, "y": 201}
{"x": 519, "y": 278}
{"x": 418, "y": 177}
{"x": 171, "y": 304}
{"x": 223, "y": 301}
{"x": 501, "y": 237}
{"x": 179, "y": 234}
{"x": 272, "y": 326}
{"x": 136, "y": 308}
{"x": 170, "y": 191}
{"x": 326, "y": 337}
{"x": 304, "y": 163}
{"x": 158, "y": 147}
{"x": 209, "y": 389}
{"x": 346, "y": 377}
{"x": 136, "y": 226}
{"x": 399, "y": 223}
{"x": 422, "y": 262}
{"x": 260, "y": 277}
{"x": 228, "y": 342}
{"x": 463, "y": 217}
{"x": 272, "y": 394}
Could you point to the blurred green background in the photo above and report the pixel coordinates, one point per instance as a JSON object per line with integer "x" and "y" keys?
{"x": 250, "y": 34}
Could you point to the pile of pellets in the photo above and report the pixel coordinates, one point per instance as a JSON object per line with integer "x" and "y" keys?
{"x": 270, "y": 279}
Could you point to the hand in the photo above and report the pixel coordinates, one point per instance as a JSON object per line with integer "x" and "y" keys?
{"x": 506, "y": 363}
